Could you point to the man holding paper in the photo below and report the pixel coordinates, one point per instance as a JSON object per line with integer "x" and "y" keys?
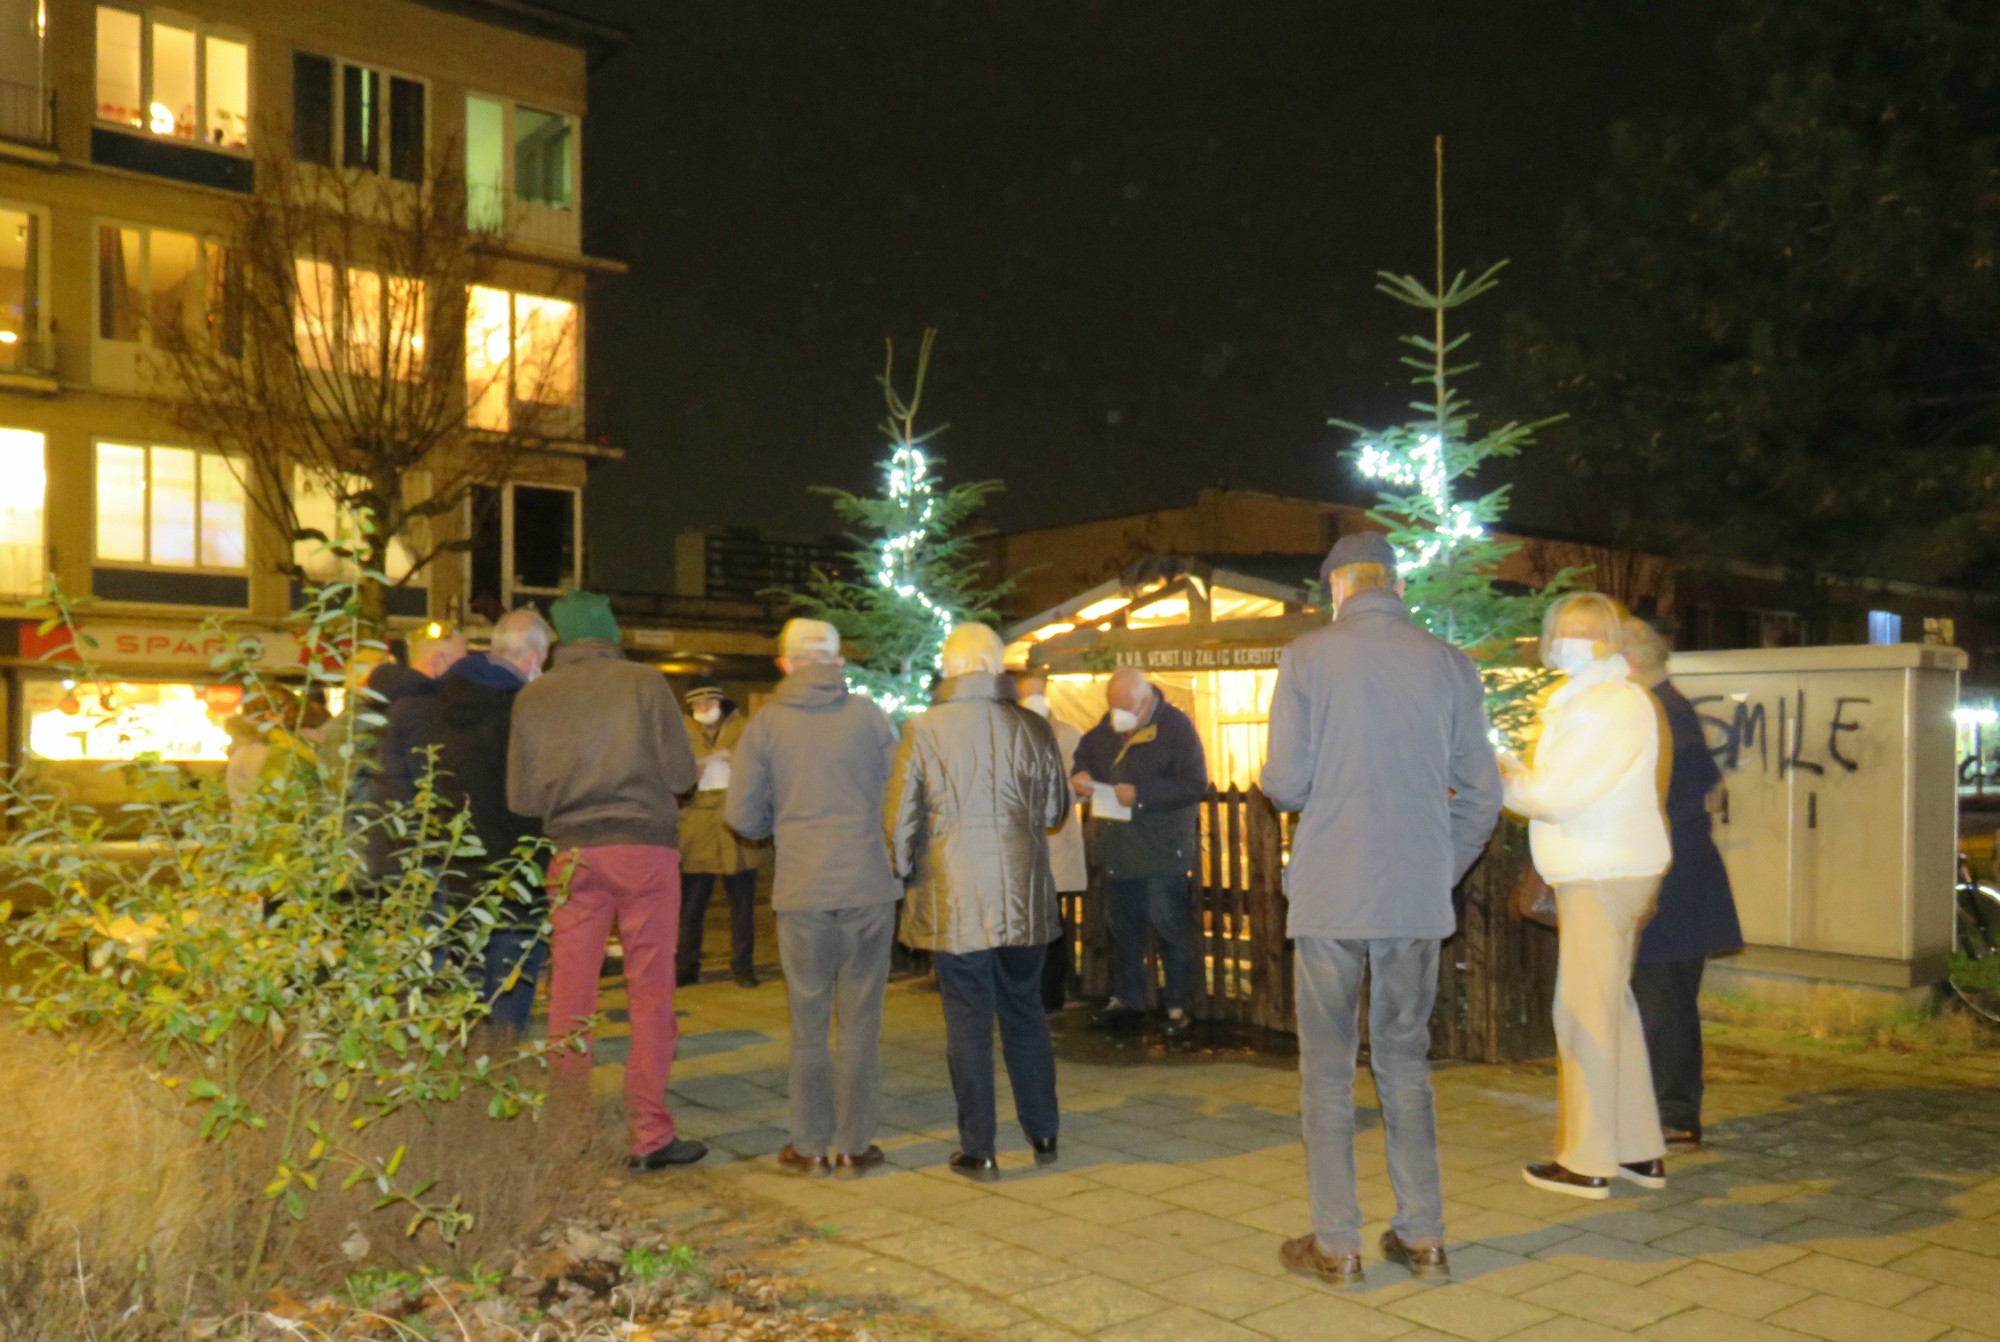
{"x": 709, "y": 851}
{"x": 1144, "y": 774}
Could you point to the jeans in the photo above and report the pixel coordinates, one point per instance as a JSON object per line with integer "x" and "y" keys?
{"x": 1165, "y": 905}
{"x": 1669, "y": 998}
{"x": 741, "y": 889}
{"x": 1605, "y": 1112}
{"x": 509, "y": 1006}
{"x": 636, "y": 886}
{"x": 836, "y": 966}
{"x": 976, "y": 987}
{"x": 1402, "y": 987}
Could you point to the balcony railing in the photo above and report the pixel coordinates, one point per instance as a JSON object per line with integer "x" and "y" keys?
{"x": 19, "y": 355}
{"x": 515, "y": 218}
{"x": 27, "y": 113}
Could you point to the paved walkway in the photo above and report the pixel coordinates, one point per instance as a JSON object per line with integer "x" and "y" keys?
{"x": 1837, "y": 1204}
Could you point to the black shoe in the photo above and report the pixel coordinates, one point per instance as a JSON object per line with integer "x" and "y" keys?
{"x": 746, "y": 979}
{"x": 1119, "y": 1018}
{"x": 1045, "y": 1150}
{"x": 1557, "y": 1179}
{"x": 1177, "y": 1026}
{"x": 1645, "y": 1173}
{"x": 984, "y": 1169}
{"x": 680, "y": 1151}
{"x": 687, "y": 978}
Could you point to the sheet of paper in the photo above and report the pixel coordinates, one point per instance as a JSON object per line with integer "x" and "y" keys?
{"x": 715, "y": 775}
{"x": 1104, "y": 803}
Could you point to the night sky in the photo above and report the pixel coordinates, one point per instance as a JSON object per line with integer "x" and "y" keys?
{"x": 1147, "y": 231}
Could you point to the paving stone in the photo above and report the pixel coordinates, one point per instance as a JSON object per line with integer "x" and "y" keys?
{"x": 1716, "y": 1287}
{"x": 1181, "y": 1324}
{"x": 1036, "y": 1330}
{"x": 1146, "y": 1178}
{"x": 1973, "y": 1311}
{"x": 1850, "y": 1242}
{"x": 1850, "y": 1281}
{"x": 1188, "y": 1229}
{"x": 1088, "y": 1304}
{"x": 1707, "y": 1325}
{"x": 1953, "y": 1267}
{"x": 1716, "y": 1245}
{"x": 1611, "y": 1303}
{"x": 1220, "y": 1197}
{"x": 1502, "y": 1273}
{"x": 936, "y": 1244}
{"x": 967, "y": 1309}
{"x": 1322, "y": 1318}
{"x": 1466, "y": 1312}
{"x": 1108, "y": 1207}
{"x": 1564, "y": 1328}
{"x": 1226, "y": 1292}
{"x": 1839, "y": 1320}
{"x": 1062, "y": 1236}
{"x": 1615, "y": 1259}
{"x": 1006, "y": 1269}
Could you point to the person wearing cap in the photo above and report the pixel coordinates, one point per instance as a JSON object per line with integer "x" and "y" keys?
{"x": 709, "y": 850}
{"x": 598, "y": 754}
{"x": 1379, "y": 740}
{"x": 810, "y": 771}
{"x": 1148, "y": 753}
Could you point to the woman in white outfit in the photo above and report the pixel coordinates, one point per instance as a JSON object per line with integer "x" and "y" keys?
{"x": 1592, "y": 793}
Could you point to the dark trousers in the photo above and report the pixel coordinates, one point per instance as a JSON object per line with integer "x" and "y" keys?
{"x": 1669, "y": 995}
{"x": 1055, "y": 970}
{"x": 1163, "y": 905}
{"x": 741, "y": 890}
{"x": 977, "y": 987}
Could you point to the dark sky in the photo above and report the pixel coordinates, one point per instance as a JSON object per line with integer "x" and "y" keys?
{"x": 1146, "y": 229}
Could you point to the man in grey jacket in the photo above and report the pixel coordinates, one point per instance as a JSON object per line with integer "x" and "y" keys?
{"x": 598, "y": 754}
{"x": 1379, "y": 739}
{"x": 811, "y": 768}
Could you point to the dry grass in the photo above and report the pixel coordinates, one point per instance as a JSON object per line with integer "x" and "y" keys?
{"x": 1834, "y": 1018}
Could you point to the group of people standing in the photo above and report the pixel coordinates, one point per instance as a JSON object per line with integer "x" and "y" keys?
{"x": 1379, "y": 739}
{"x": 958, "y": 835}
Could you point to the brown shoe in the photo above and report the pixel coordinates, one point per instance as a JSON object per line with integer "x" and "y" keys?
{"x": 1557, "y": 1179}
{"x": 1424, "y": 1261}
{"x": 1304, "y": 1256}
{"x": 1645, "y": 1173}
{"x": 1682, "y": 1139}
{"x": 860, "y": 1164}
{"x": 791, "y": 1162}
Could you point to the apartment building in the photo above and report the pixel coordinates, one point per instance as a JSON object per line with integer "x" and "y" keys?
{"x": 129, "y": 134}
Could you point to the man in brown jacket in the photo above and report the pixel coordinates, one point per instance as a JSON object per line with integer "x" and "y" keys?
{"x": 598, "y": 755}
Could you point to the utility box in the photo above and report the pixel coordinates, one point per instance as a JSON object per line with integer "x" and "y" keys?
{"x": 1838, "y": 812}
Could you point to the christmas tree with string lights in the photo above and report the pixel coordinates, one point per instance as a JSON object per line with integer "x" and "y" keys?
{"x": 1441, "y": 529}
{"x": 914, "y": 575}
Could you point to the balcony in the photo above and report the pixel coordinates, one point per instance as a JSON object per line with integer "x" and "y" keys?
{"x": 520, "y": 222}
{"x": 27, "y": 114}
{"x": 27, "y": 365}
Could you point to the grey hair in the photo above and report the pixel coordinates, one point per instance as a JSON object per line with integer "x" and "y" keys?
{"x": 522, "y": 635}
{"x": 972, "y": 647}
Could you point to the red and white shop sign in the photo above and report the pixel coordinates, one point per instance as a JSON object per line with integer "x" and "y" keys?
{"x": 153, "y": 645}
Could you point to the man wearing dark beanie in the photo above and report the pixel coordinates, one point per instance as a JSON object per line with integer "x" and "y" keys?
{"x": 598, "y": 754}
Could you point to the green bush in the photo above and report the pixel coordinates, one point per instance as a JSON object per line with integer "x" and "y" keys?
{"x": 293, "y": 1001}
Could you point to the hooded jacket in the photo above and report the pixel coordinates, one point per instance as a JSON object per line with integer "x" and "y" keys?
{"x": 810, "y": 770}
{"x": 401, "y": 697}
{"x": 469, "y": 724}
{"x": 707, "y": 845}
{"x": 978, "y": 782}
{"x": 598, "y": 752}
{"x": 1592, "y": 792}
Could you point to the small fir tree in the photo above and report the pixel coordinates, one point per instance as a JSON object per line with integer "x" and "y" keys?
{"x": 1445, "y": 548}
{"x": 914, "y": 577}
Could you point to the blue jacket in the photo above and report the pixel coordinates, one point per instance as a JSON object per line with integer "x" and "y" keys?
{"x": 1168, "y": 770}
{"x": 1696, "y": 915}
{"x": 1379, "y": 741}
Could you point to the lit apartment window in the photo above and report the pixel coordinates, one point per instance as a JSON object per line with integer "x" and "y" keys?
{"x": 21, "y": 278}
{"x": 316, "y": 509}
{"x": 357, "y": 116}
{"x": 358, "y": 320}
{"x": 172, "y": 77}
{"x": 521, "y": 361}
{"x": 1884, "y": 627}
{"x": 23, "y": 489}
{"x": 150, "y": 280}
{"x": 168, "y": 507}
{"x": 520, "y": 171}
{"x": 24, "y": 82}
{"x": 524, "y": 544}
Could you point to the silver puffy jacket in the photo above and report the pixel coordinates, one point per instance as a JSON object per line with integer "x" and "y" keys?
{"x": 977, "y": 784}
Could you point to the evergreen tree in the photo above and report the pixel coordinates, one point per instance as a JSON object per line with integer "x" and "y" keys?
{"x": 915, "y": 577}
{"x": 1447, "y": 554}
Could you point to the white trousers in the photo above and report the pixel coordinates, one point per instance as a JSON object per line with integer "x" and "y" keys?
{"x": 1606, "y": 1115}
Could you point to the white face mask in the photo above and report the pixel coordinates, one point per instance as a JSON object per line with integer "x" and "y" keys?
{"x": 708, "y": 714}
{"x": 1571, "y": 655}
{"x": 1123, "y": 719}
{"x": 1037, "y": 704}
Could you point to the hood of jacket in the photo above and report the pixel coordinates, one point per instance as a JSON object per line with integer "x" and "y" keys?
{"x": 481, "y": 669}
{"x": 815, "y": 687}
{"x": 471, "y": 695}
{"x": 393, "y": 681}
{"x": 972, "y": 685}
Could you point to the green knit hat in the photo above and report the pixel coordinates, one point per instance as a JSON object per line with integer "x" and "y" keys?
{"x": 583, "y": 615}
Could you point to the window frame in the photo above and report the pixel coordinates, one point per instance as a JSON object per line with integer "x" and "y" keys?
{"x": 514, "y": 402}
{"x": 512, "y": 594}
{"x": 419, "y": 579}
{"x": 147, "y": 564}
{"x": 38, "y": 336}
{"x": 336, "y": 147}
{"x": 344, "y": 365}
{"x": 510, "y": 187}
{"x": 203, "y": 30}
{"x": 208, "y": 250}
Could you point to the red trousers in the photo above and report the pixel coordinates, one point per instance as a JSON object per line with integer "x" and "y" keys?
{"x": 638, "y": 887}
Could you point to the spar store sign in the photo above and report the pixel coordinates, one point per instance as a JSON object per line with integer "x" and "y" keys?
{"x": 152, "y": 645}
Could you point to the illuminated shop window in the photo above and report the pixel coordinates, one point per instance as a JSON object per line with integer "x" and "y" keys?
{"x": 115, "y": 721}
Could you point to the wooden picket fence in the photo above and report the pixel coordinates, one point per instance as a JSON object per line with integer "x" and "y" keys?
{"x": 1496, "y": 978}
